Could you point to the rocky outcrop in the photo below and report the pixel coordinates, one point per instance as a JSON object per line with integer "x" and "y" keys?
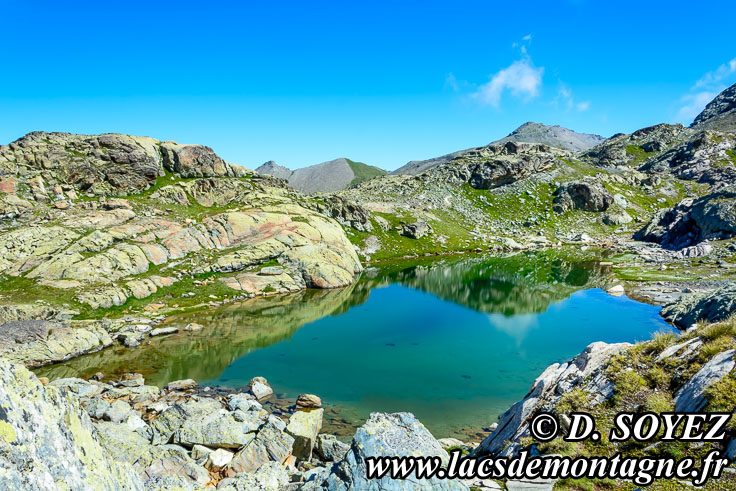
{"x": 499, "y": 165}
{"x": 398, "y": 434}
{"x": 47, "y": 439}
{"x": 720, "y": 113}
{"x": 582, "y": 195}
{"x": 692, "y": 221}
{"x": 706, "y": 157}
{"x": 346, "y": 213}
{"x": 713, "y": 306}
{"x": 691, "y": 396}
{"x": 108, "y": 164}
{"x": 551, "y": 136}
{"x": 635, "y": 148}
{"x": 587, "y": 371}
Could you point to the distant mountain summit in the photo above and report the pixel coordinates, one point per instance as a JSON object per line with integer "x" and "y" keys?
{"x": 334, "y": 175}
{"x": 554, "y": 136}
{"x": 720, "y": 113}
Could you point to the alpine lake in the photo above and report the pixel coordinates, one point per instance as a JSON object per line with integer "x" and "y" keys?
{"x": 456, "y": 340}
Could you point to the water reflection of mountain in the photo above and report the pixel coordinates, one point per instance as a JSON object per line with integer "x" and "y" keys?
{"x": 512, "y": 284}
{"x": 230, "y": 332}
{"x": 508, "y": 284}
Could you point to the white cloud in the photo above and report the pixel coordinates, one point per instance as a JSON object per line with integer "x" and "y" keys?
{"x": 566, "y": 99}
{"x": 705, "y": 89}
{"x": 522, "y": 79}
{"x": 528, "y": 37}
{"x": 695, "y": 103}
{"x": 451, "y": 82}
{"x": 717, "y": 75}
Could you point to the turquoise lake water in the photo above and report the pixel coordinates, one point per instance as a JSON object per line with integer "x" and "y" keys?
{"x": 454, "y": 341}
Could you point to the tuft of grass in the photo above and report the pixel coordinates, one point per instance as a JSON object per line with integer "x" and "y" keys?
{"x": 575, "y": 400}
{"x": 659, "y": 403}
{"x": 660, "y": 341}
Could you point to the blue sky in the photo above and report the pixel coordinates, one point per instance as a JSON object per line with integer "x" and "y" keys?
{"x": 384, "y": 83}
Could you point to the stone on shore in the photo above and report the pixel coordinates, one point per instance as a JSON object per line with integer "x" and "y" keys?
{"x": 259, "y": 387}
{"x": 186, "y": 384}
{"x": 304, "y": 426}
{"x": 305, "y": 401}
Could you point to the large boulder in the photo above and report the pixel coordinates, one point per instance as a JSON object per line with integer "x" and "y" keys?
{"x": 712, "y": 306}
{"x": 392, "y": 435}
{"x": 47, "y": 439}
{"x": 582, "y": 195}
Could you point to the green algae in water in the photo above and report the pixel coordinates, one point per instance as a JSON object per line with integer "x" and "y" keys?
{"x": 455, "y": 341}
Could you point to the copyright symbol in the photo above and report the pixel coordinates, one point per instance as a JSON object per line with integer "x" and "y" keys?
{"x": 544, "y": 427}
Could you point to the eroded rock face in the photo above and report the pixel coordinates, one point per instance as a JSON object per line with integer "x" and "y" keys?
{"x": 586, "y": 371}
{"x": 582, "y": 195}
{"x": 46, "y": 438}
{"x": 690, "y": 222}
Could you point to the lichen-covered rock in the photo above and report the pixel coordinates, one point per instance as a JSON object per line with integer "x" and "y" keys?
{"x": 37, "y": 342}
{"x": 304, "y": 426}
{"x": 271, "y": 476}
{"x": 47, "y": 440}
{"x": 399, "y": 435}
{"x": 330, "y": 449}
{"x": 221, "y": 429}
{"x": 272, "y": 443}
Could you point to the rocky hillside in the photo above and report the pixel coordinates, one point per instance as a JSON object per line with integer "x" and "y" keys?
{"x": 112, "y": 223}
{"x": 334, "y": 175}
{"x": 553, "y": 136}
{"x": 720, "y": 113}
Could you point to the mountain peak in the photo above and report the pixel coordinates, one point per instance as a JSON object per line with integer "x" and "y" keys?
{"x": 720, "y": 113}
